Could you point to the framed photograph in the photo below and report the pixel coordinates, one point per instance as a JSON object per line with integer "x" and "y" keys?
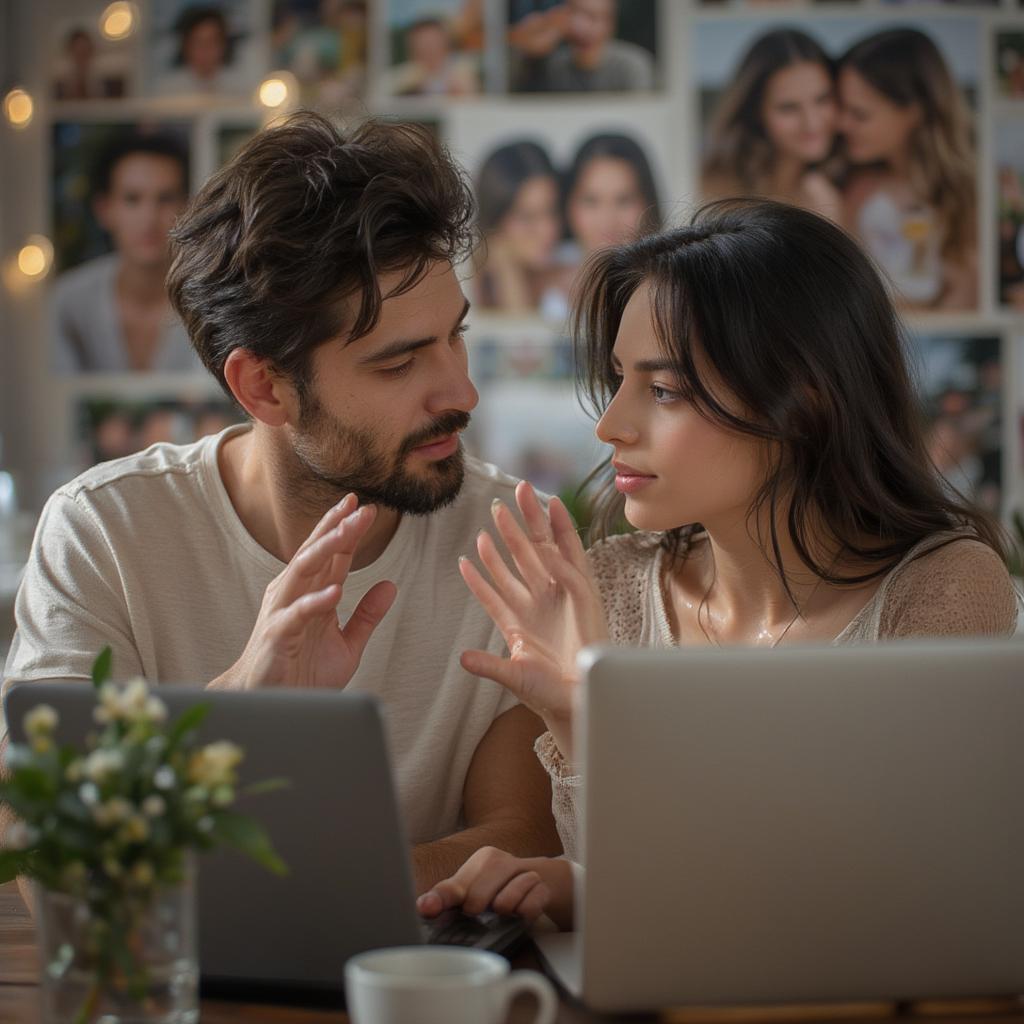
{"x": 113, "y": 426}
{"x": 867, "y": 121}
{"x": 961, "y": 386}
{"x": 324, "y": 45}
{"x": 435, "y": 48}
{"x": 553, "y": 186}
{"x": 86, "y": 65}
{"x": 582, "y": 45}
{"x": 200, "y": 48}
{"x": 117, "y": 190}
{"x": 1010, "y": 64}
{"x": 1009, "y": 192}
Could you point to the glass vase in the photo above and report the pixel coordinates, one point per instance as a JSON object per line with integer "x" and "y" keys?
{"x": 133, "y": 962}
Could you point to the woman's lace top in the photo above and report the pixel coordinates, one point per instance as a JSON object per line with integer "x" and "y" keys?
{"x": 947, "y": 585}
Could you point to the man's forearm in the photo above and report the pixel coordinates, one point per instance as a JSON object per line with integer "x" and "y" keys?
{"x": 441, "y": 858}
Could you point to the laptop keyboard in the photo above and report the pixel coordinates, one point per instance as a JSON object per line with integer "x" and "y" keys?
{"x": 488, "y": 930}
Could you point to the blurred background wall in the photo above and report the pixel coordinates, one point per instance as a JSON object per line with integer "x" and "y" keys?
{"x": 581, "y": 124}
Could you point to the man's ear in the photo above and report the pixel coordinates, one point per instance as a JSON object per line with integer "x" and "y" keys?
{"x": 264, "y": 394}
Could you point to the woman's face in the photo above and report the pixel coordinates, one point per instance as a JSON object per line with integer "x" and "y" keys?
{"x": 532, "y": 227}
{"x": 606, "y": 204}
{"x": 799, "y": 113}
{"x": 673, "y": 465}
{"x": 873, "y": 126}
{"x": 205, "y": 48}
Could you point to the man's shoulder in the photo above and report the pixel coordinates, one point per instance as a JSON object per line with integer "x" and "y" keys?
{"x": 149, "y": 471}
{"x": 484, "y": 482}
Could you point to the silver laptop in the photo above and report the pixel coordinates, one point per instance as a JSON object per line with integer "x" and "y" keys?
{"x": 336, "y": 826}
{"x": 799, "y": 825}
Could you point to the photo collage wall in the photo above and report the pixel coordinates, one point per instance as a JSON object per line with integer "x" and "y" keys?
{"x": 581, "y": 124}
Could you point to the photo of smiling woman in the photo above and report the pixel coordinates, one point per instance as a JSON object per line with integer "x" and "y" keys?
{"x": 910, "y": 193}
{"x": 519, "y": 219}
{"x": 774, "y": 127}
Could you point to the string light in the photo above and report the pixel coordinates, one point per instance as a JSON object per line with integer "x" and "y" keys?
{"x": 18, "y": 108}
{"x": 35, "y": 257}
{"x": 273, "y": 91}
{"x": 118, "y": 20}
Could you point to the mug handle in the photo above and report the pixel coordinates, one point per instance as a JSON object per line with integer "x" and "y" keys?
{"x": 533, "y": 981}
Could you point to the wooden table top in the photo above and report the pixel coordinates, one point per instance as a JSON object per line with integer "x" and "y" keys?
{"x": 19, "y": 996}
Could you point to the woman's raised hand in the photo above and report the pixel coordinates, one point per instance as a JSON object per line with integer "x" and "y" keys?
{"x": 547, "y": 609}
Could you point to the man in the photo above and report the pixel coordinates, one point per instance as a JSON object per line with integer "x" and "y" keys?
{"x": 317, "y": 546}
{"x": 432, "y": 68}
{"x": 572, "y": 48}
{"x": 112, "y": 313}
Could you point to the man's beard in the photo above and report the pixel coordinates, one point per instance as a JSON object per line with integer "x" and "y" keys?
{"x": 330, "y": 460}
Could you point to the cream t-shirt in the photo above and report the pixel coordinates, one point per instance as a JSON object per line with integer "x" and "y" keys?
{"x": 148, "y": 555}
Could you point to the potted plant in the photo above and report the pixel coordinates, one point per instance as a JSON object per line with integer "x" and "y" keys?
{"x": 107, "y": 835}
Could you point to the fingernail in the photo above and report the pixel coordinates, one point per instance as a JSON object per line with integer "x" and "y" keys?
{"x": 496, "y": 504}
{"x": 462, "y": 558}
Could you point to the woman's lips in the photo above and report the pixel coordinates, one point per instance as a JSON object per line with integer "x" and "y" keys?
{"x": 629, "y": 480}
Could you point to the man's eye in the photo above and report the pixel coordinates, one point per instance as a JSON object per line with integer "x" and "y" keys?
{"x": 398, "y": 371}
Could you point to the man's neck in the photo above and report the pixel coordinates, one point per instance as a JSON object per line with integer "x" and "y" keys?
{"x": 587, "y": 58}
{"x": 264, "y": 501}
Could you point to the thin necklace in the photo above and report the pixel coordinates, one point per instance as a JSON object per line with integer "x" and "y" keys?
{"x": 667, "y": 597}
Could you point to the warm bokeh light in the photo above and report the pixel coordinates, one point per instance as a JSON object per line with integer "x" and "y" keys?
{"x": 118, "y": 20}
{"x": 273, "y": 92}
{"x": 36, "y": 256}
{"x": 18, "y": 107}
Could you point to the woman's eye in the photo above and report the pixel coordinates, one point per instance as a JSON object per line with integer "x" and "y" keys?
{"x": 663, "y": 395}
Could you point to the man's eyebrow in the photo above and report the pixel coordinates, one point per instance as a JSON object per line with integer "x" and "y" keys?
{"x": 404, "y": 347}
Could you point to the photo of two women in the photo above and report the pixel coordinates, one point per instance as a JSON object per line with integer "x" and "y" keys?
{"x": 870, "y": 125}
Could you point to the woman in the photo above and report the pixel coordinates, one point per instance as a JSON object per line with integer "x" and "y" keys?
{"x": 518, "y": 216}
{"x": 610, "y": 195}
{"x": 775, "y": 126}
{"x": 768, "y": 447}
{"x": 910, "y": 194}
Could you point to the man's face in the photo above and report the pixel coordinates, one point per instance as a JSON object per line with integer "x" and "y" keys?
{"x": 147, "y": 192}
{"x": 381, "y": 415}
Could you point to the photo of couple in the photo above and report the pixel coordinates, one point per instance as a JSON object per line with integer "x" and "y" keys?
{"x": 869, "y": 125}
{"x": 547, "y": 200}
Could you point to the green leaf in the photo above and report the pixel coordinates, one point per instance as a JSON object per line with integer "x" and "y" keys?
{"x": 101, "y": 667}
{"x": 189, "y": 720}
{"x": 250, "y": 837}
{"x": 266, "y": 786}
{"x": 10, "y": 865}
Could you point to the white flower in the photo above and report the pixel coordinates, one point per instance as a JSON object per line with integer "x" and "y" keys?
{"x": 20, "y": 836}
{"x": 133, "y": 698}
{"x": 89, "y": 794}
{"x": 214, "y": 764}
{"x": 40, "y": 721}
{"x": 112, "y": 867}
{"x": 101, "y": 764}
{"x": 156, "y": 711}
{"x": 74, "y": 771}
{"x": 154, "y": 806}
{"x": 164, "y": 777}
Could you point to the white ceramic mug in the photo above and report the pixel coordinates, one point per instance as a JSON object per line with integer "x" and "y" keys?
{"x": 439, "y": 985}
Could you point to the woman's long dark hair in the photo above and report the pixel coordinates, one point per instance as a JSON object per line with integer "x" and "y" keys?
{"x": 796, "y": 323}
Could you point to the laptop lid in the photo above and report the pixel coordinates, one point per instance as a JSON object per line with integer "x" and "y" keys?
{"x": 802, "y": 825}
{"x": 336, "y": 826}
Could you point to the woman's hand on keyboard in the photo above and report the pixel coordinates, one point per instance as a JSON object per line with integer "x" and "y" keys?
{"x": 494, "y": 880}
